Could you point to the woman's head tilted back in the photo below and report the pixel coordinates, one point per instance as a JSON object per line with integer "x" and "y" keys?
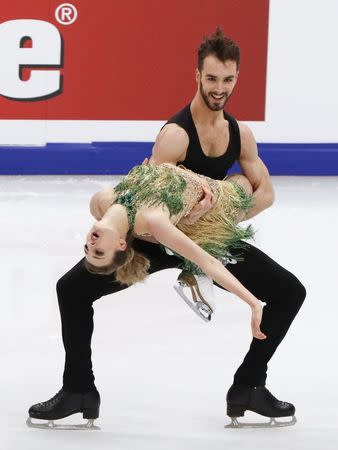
{"x": 103, "y": 247}
{"x": 108, "y": 249}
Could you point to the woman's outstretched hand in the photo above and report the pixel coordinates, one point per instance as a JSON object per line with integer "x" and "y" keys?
{"x": 256, "y": 319}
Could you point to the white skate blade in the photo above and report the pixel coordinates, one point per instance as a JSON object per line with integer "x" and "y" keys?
{"x": 51, "y": 425}
{"x": 273, "y": 423}
{"x": 200, "y": 308}
{"x": 206, "y": 289}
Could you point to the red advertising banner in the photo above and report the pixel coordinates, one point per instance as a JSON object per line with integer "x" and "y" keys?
{"x": 132, "y": 60}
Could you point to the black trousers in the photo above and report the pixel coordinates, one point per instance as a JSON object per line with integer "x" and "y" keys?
{"x": 78, "y": 289}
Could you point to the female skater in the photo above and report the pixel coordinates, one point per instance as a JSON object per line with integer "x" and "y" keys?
{"x": 149, "y": 203}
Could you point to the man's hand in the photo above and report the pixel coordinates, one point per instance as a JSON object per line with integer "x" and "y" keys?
{"x": 202, "y": 206}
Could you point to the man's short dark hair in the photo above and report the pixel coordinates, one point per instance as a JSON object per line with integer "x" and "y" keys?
{"x": 219, "y": 45}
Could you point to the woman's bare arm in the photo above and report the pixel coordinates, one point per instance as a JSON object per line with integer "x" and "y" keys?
{"x": 167, "y": 234}
{"x": 100, "y": 202}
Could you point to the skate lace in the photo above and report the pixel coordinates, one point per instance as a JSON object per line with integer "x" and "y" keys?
{"x": 279, "y": 402}
{"x": 52, "y": 401}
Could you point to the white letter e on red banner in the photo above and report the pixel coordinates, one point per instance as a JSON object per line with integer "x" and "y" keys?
{"x": 46, "y": 51}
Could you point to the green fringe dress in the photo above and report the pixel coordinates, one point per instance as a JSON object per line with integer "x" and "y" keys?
{"x": 180, "y": 189}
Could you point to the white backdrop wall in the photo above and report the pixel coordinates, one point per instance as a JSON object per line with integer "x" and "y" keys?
{"x": 302, "y": 94}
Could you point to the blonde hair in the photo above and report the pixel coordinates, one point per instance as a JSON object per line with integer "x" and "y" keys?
{"x": 130, "y": 266}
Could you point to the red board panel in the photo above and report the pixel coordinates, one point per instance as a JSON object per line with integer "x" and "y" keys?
{"x": 136, "y": 60}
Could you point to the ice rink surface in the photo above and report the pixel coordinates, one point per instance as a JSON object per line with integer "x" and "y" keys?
{"x": 162, "y": 372}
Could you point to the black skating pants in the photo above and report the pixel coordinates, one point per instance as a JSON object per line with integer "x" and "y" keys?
{"x": 78, "y": 289}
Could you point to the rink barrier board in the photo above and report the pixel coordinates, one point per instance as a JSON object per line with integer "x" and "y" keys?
{"x": 116, "y": 158}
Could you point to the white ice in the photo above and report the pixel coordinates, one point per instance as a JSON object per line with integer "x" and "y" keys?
{"x": 162, "y": 372}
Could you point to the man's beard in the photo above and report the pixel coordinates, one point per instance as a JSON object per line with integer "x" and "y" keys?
{"x": 207, "y": 100}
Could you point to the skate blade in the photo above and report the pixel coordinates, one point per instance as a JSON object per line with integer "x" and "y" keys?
{"x": 200, "y": 308}
{"x": 51, "y": 425}
{"x": 273, "y": 423}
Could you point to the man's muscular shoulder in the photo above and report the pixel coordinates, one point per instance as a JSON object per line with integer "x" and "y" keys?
{"x": 248, "y": 142}
{"x": 171, "y": 145}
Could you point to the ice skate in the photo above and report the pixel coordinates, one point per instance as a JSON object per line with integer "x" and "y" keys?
{"x": 201, "y": 290}
{"x": 65, "y": 404}
{"x": 261, "y": 401}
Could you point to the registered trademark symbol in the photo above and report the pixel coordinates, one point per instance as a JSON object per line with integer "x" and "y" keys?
{"x": 66, "y": 14}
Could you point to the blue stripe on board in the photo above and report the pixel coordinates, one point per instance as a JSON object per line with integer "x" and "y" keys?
{"x": 119, "y": 157}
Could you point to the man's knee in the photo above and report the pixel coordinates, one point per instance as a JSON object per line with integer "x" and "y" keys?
{"x": 64, "y": 289}
{"x": 296, "y": 292}
{"x": 62, "y": 286}
{"x": 71, "y": 282}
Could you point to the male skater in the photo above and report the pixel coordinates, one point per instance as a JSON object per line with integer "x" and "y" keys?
{"x": 208, "y": 141}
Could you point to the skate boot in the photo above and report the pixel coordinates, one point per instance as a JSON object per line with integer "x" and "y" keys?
{"x": 201, "y": 290}
{"x": 261, "y": 401}
{"x": 64, "y": 404}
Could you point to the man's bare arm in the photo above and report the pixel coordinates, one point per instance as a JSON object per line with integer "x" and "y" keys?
{"x": 256, "y": 172}
{"x": 170, "y": 146}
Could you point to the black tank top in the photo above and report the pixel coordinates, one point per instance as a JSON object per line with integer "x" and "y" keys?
{"x": 195, "y": 160}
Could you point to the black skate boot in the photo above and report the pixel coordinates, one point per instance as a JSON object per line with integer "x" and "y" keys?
{"x": 64, "y": 404}
{"x": 259, "y": 400}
